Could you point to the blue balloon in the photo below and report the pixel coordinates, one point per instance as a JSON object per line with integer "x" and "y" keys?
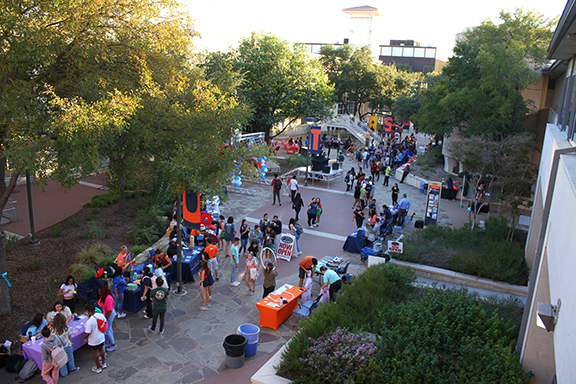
{"x": 265, "y": 159}
{"x": 263, "y": 169}
{"x": 259, "y": 159}
{"x": 263, "y": 177}
{"x": 237, "y": 178}
{"x": 237, "y": 183}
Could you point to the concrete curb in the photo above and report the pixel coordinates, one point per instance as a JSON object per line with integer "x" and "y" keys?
{"x": 267, "y": 374}
{"x": 456, "y": 277}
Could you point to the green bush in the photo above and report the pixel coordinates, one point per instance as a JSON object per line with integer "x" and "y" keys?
{"x": 88, "y": 256}
{"x": 35, "y": 264}
{"x": 78, "y": 269}
{"x": 102, "y": 200}
{"x": 55, "y": 231}
{"x": 89, "y": 216}
{"x": 358, "y": 308}
{"x": 148, "y": 227}
{"x": 446, "y": 337}
{"x": 106, "y": 261}
{"x": 100, "y": 248}
{"x": 432, "y": 158}
{"x": 11, "y": 242}
{"x": 138, "y": 249}
{"x": 75, "y": 221}
{"x": 296, "y": 161}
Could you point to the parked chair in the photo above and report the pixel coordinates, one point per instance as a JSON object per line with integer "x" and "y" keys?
{"x": 343, "y": 270}
{"x": 307, "y": 307}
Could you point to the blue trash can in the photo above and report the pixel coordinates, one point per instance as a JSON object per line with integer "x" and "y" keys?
{"x": 251, "y": 333}
{"x": 422, "y": 187}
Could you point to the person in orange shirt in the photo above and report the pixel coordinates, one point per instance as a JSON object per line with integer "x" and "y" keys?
{"x": 212, "y": 251}
{"x": 121, "y": 258}
{"x": 307, "y": 264}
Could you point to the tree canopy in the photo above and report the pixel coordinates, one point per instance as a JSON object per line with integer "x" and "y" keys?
{"x": 480, "y": 90}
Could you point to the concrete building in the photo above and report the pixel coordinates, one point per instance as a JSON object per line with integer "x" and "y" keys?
{"x": 421, "y": 59}
{"x": 549, "y": 353}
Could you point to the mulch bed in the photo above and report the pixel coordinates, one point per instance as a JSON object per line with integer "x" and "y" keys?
{"x": 32, "y": 289}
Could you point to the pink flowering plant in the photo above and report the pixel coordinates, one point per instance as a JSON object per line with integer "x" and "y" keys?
{"x": 339, "y": 357}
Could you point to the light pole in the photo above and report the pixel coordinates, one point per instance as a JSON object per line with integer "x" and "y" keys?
{"x": 309, "y": 121}
{"x": 32, "y": 239}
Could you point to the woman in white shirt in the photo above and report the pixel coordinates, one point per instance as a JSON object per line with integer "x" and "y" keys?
{"x": 68, "y": 290}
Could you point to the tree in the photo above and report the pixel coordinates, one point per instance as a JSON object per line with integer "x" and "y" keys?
{"x": 279, "y": 83}
{"x": 405, "y": 107}
{"x": 68, "y": 69}
{"x": 480, "y": 91}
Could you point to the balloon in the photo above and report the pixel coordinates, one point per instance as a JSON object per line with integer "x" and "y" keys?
{"x": 237, "y": 183}
{"x": 237, "y": 177}
{"x": 265, "y": 159}
{"x": 264, "y": 169}
{"x": 263, "y": 178}
{"x": 259, "y": 159}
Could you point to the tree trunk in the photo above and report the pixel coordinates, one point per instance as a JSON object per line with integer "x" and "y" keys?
{"x": 121, "y": 205}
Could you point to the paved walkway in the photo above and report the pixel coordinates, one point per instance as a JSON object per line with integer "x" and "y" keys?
{"x": 191, "y": 349}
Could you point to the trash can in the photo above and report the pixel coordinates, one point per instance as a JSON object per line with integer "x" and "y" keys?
{"x": 235, "y": 346}
{"x": 251, "y": 333}
{"x": 422, "y": 190}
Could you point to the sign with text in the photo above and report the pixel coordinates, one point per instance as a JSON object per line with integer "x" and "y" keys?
{"x": 373, "y": 122}
{"x": 315, "y": 132}
{"x": 432, "y": 203}
{"x": 286, "y": 246}
{"x": 395, "y": 246}
{"x": 388, "y": 124}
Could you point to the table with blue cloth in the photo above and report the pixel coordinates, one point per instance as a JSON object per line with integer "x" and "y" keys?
{"x": 355, "y": 241}
{"x": 133, "y": 299}
{"x": 191, "y": 258}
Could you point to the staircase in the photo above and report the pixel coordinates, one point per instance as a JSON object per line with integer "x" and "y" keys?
{"x": 355, "y": 126}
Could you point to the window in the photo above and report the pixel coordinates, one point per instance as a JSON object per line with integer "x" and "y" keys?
{"x": 419, "y": 52}
{"x": 397, "y": 51}
{"x": 316, "y": 48}
{"x": 408, "y": 52}
{"x": 385, "y": 51}
{"x": 430, "y": 53}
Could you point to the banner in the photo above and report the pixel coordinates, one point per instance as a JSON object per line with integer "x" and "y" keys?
{"x": 432, "y": 203}
{"x": 373, "y": 122}
{"x": 388, "y": 124}
{"x": 315, "y": 132}
{"x": 191, "y": 215}
{"x": 286, "y": 247}
{"x": 395, "y": 246}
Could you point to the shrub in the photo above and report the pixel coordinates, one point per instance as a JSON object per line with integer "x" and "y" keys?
{"x": 148, "y": 227}
{"x": 78, "y": 269}
{"x": 89, "y": 216}
{"x": 87, "y": 275}
{"x": 35, "y": 264}
{"x": 296, "y": 161}
{"x": 339, "y": 357}
{"x": 106, "y": 261}
{"x": 75, "y": 221}
{"x": 11, "y": 242}
{"x": 88, "y": 256}
{"x": 93, "y": 230}
{"x": 138, "y": 249}
{"x": 100, "y": 248}
{"x": 102, "y": 200}
{"x": 446, "y": 337}
{"x": 55, "y": 231}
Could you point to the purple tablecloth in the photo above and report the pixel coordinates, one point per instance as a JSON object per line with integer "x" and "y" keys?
{"x": 33, "y": 350}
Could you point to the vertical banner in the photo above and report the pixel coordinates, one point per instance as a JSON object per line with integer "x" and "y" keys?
{"x": 388, "y": 124}
{"x": 373, "y": 122}
{"x": 191, "y": 215}
{"x": 432, "y": 203}
{"x": 406, "y": 125}
{"x": 315, "y": 132}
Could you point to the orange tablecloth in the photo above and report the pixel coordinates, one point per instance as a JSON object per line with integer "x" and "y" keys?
{"x": 272, "y": 312}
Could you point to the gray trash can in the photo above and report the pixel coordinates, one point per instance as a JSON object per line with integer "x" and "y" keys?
{"x": 235, "y": 346}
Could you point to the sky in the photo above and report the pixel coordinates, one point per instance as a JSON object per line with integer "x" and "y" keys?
{"x": 223, "y": 23}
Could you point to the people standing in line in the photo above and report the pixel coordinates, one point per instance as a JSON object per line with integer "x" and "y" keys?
{"x": 204, "y": 283}
{"x": 395, "y": 192}
{"x": 251, "y": 273}
{"x": 244, "y": 235}
{"x": 60, "y": 328}
{"x": 212, "y": 251}
{"x": 403, "y": 208}
{"x": 312, "y": 212}
{"x": 387, "y": 174}
{"x": 293, "y": 188}
{"x": 296, "y": 231}
{"x": 297, "y": 204}
{"x": 405, "y": 173}
{"x": 270, "y": 274}
{"x": 358, "y": 216}
{"x": 229, "y": 234}
{"x": 318, "y": 211}
{"x": 234, "y": 261}
{"x": 68, "y": 291}
{"x": 159, "y": 297}
{"x": 106, "y": 302}
{"x": 307, "y": 264}
{"x": 276, "y": 188}
{"x": 331, "y": 279}
{"x": 95, "y": 337}
{"x": 146, "y": 282}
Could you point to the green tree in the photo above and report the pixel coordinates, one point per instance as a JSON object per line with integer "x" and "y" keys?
{"x": 480, "y": 90}
{"x": 279, "y": 82}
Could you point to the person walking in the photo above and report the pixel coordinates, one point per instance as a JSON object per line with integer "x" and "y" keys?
{"x": 159, "y": 303}
{"x": 204, "y": 282}
{"x": 395, "y": 192}
{"x": 251, "y": 272}
{"x": 296, "y": 230}
{"x": 297, "y": 204}
{"x": 387, "y": 174}
{"x": 276, "y": 187}
{"x": 293, "y": 187}
{"x": 312, "y": 212}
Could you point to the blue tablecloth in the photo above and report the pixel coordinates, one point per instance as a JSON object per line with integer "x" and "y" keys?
{"x": 190, "y": 264}
{"x": 132, "y": 300}
{"x": 355, "y": 242}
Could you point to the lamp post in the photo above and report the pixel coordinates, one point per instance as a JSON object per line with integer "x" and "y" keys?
{"x": 32, "y": 239}
{"x": 309, "y": 121}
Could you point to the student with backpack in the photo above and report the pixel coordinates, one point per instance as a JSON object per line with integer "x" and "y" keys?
{"x": 53, "y": 356}
{"x": 94, "y": 333}
{"x": 297, "y": 204}
{"x": 106, "y": 302}
{"x": 276, "y": 187}
{"x": 296, "y": 230}
{"x": 60, "y": 328}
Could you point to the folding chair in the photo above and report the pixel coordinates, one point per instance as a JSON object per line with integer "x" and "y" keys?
{"x": 307, "y": 307}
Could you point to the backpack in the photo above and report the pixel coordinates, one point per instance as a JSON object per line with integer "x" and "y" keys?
{"x": 58, "y": 354}
{"x": 13, "y": 362}
{"x": 102, "y": 325}
{"x": 277, "y": 184}
{"x": 4, "y": 356}
{"x": 28, "y": 370}
{"x": 298, "y": 228}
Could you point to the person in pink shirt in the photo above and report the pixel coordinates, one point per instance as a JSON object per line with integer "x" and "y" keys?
{"x": 106, "y": 302}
